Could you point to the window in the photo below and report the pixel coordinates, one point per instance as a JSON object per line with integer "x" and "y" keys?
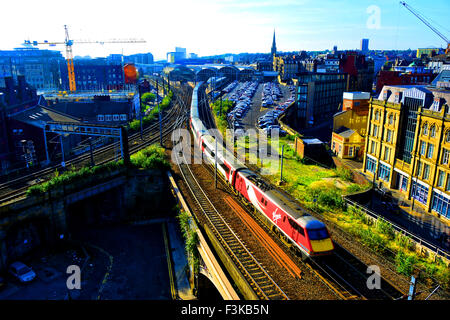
{"x": 386, "y": 153}
{"x": 350, "y": 152}
{"x": 375, "y": 130}
{"x": 317, "y": 234}
{"x": 445, "y": 156}
{"x": 100, "y": 117}
{"x": 263, "y": 201}
{"x": 419, "y": 168}
{"x": 433, "y": 131}
{"x": 391, "y": 119}
{"x": 430, "y": 151}
{"x": 108, "y": 117}
{"x": 371, "y": 165}
{"x": 441, "y": 204}
{"x": 373, "y": 147}
{"x": 419, "y": 192}
{"x": 441, "y": 178}
{"x": 425, "y": 129}
{"x": 389, "y": 135}
{"x": 296, "y": 227}
{"x": 384, "y": 172}
{"x": 377, "y": 115}
{"x": 426, "y": 172}
{"x": 116, "y": 117}
{"x": 423, "y": 148}
{"x": 447, "y": 136}
{"x": 123, "y": 117}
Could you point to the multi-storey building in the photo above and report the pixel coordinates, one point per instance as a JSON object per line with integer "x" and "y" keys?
{"x": 94, "y": 74}
{"x": 408, "y": 144}
{"x": 360, "y": 70}
{"x": 40, "y": 67}
{"x": 397, "y": 77}
{"x": 350, "y": 125}
{"x": 287, "y": 67}
{"x": 318, "y": 97}
{"x": 364, "y": 45}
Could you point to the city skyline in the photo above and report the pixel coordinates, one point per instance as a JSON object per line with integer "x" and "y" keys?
{"x": 232, "y": 26}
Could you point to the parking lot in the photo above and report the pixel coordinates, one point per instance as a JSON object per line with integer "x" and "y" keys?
{"x": 254, "y": 100}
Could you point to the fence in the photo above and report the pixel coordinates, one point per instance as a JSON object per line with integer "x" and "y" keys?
{"x": 420, "y": 243}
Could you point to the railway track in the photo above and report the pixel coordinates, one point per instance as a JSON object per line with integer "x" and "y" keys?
{"x": 172, "y": 119}
{"x": 344, "y": 274}
{"x": 255, "y": 274}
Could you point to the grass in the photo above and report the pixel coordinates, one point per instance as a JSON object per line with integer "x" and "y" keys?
{"x": 321, "y": 190}
{"x": 220, "y": 114}
{"x": 397, "y": 248}
{"x": 152, "y": 115}
{"x": 152, "y": 157}
{"x": 191, "y": 239}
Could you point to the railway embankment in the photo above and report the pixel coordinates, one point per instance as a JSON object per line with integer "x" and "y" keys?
{"x": 110, "y": 193}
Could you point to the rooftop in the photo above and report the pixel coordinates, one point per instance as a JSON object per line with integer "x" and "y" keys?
{"x": 39, "y": 116}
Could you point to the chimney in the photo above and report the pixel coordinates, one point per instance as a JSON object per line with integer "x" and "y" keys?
{"x": 22, "y": 88}
{"x": 10, "y": 92}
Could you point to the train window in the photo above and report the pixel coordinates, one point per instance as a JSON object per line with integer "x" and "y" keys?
{"x": 300, "y": 230}
{"x": 263, "y": 201}
{"x": 317, "y": 234}
{"x": 295, "y": 226}
{"x": 225, "y": 168}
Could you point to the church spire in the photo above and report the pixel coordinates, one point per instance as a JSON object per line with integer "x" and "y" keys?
{"x": 274, "y": 46}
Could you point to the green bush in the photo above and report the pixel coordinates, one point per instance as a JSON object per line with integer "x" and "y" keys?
{"x": 191, "y": 239}
{"x": 372, "y": 240}
{"x": 353, "y": 188}
{"x": 345, "y": 174}
{"x": 385, "y": 228}
{"x": 152, "y": 115}
{"x": 152, "y": 157}
{"x": 404, "y": 242}
{"x": 148, "y": 97}
{"x": 329, "y": 197}
{"x": 405, "y": 263}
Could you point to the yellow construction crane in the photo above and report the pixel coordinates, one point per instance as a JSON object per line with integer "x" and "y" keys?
{"x": 424, "y": 20}
{"x": 69, "y": 55}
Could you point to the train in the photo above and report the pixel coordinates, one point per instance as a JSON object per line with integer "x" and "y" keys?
{"x": 286, "y": 218}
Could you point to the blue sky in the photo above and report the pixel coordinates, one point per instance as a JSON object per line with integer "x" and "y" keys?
{"x": 209, "y": 27}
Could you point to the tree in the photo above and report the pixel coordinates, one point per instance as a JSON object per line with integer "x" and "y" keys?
{"x": 148, "y": 97}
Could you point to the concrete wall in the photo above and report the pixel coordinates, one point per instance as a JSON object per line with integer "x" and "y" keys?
{"x": 36, "y": 221}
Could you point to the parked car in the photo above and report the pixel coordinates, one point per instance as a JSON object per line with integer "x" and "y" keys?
{"x": 21, "y": 271}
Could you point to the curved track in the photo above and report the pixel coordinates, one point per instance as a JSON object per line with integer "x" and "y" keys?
{"x": 342, "y": 272}
{"x": 171, "y": 118}
{"x": 260, "y": 281}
